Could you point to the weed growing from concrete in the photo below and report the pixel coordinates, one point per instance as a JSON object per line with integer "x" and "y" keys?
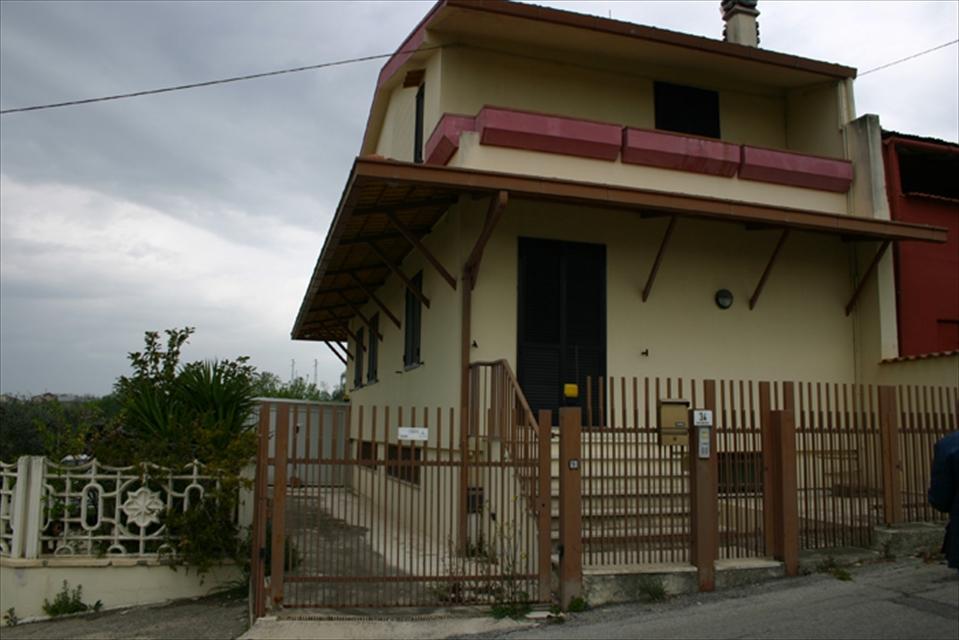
{"x": 830, "y": 566}
{"x": 651, "y": 589}
{"x": 69, "y": 601}
{"x": 577, "y": 605}
{"x": 11, "y": 618}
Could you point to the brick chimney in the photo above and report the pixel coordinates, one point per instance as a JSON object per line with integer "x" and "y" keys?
{"x": 741, "y": 25}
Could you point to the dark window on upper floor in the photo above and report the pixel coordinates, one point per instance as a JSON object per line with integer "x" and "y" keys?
{"x": 372, "y": 362}
{"x": 418, "y": 128}
{"x": 411, "y": 325}
{"x": 358, "y": 360}
{"x": 686, "y": 109}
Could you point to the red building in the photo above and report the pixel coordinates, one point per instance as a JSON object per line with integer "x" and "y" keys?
{"x": 922, "y": 182}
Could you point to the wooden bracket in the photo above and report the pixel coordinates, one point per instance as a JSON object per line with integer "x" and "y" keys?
{"x": 335, "y": 352}
{"x": 376, "y": 299}
{"x": 772, "y": 259}
{"x": 862, "y": 281}
{"x": 356, "y": 340}
{"x": 362, "y": 317}
{"x": 413, "y": 240}
{"x": 659, "y": 259}
{"x": 493, "y": 214}
{"x": 399, "y": 274}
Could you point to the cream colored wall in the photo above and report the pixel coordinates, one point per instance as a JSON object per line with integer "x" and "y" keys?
{"x": 473, "y": 155}
{"x": 25, "y": 584}
{"x": 396, "y": 135}
{"x": 473, "y": 78}
{"x": 797, "y": 331}
{"x": 436, "y": 381}
{"x": 814, "y": 120}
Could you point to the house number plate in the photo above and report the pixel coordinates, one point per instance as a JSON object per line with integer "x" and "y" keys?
{"x": 421, "y": 434}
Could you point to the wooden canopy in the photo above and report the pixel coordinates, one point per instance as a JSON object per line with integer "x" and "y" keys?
{"x": 388, "y": 206}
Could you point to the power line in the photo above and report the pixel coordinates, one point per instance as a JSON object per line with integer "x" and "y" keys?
{"x": 915, "y": 55}
{"x": 323, "y": 65}
{"x": 209, "y": 83}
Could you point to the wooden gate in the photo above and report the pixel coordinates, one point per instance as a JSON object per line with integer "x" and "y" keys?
{"x": 364, "y": 510}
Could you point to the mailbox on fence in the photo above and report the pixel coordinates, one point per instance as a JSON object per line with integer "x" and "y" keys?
{"x": 673, "y": 422}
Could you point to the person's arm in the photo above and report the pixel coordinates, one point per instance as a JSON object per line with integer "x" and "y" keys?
{"x": 942, "y": 485}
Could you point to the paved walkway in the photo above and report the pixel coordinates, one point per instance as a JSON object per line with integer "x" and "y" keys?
{"x": 905, "y": 600}
{"x": 216, "y": 617}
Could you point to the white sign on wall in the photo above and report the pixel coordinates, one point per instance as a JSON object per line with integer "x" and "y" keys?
{"x": 421, "y": 434}
{"x": 702, "y": 418}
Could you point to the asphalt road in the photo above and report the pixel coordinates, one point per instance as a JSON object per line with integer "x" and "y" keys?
{"x": 903, "y": 600}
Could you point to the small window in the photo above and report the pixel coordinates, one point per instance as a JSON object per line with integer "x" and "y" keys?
{"x": 409, "y": 472}
{"x": 373, "y": 349}
{"x": 414, "y": 309}
{"x": 740, "y": 472}
{"x": 418, "y": 128}
{"x": 686, "y": 109}
{"x": 358, "y": 360}
{"x": 368, "y": 454}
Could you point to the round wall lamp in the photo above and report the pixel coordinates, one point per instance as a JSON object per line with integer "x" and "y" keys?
{"x": 724, "y": 298}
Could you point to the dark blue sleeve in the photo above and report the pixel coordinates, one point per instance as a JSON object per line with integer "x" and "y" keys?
{"x": 943, "y": 484}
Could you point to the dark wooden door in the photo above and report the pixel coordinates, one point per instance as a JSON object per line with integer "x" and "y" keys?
{"x": 561, "y": 334}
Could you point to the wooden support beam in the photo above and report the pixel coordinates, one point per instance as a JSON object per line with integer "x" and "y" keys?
{"x": 362, "y": 317}
{"x": 659, "y": 259}
{"x": 405, "y": 205}
{"x": 376, "y": 299}
{"x": 865, "y": 276}
{"x": 772, "y": 259}
{"x": 399, "y": 274}
{"x": 413, "y": 240}
{"x": 335, "y": 351}
{"x": 493, "y": 214}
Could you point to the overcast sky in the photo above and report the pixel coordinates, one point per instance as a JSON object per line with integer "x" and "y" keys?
{"x": 208, "y": 207}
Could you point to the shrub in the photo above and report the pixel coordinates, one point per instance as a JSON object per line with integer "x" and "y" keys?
{"x": 67, "y": 602}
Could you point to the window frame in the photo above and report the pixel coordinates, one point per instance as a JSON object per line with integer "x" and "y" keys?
{"x": 400, "y": 453}
{"x": 373, "y": 351}
{"x": 358, "y": 359}
{"x": 413, "y": 325}
{"x": 418, "y": 125}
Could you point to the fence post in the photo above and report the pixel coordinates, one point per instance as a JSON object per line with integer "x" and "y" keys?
{"x": 786, "y": 547}
{"x": 33, "y": 506}
{"x": 704, "y": 498}
{"x": 544, "y": 504}
{"x": 278, "y": 528}
{"x": 570, "y": 514}
{"x": 18, "y": 517}
{"x": 258, "y": 548}
{"x": 891, "y": 460}
{"x": 768, "y": 457}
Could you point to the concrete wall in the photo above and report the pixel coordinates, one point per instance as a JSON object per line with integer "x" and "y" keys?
{"x": 472, "y": 154}
{"x": 116, "y": 582}
{"x": 797, "y": 331}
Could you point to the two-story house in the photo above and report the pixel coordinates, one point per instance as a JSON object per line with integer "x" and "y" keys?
{"x": 585, "y": 197}
{"x": 546, "y": 201}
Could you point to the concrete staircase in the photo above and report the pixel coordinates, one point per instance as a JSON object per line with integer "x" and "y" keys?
{"x": 630, "y": 490}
